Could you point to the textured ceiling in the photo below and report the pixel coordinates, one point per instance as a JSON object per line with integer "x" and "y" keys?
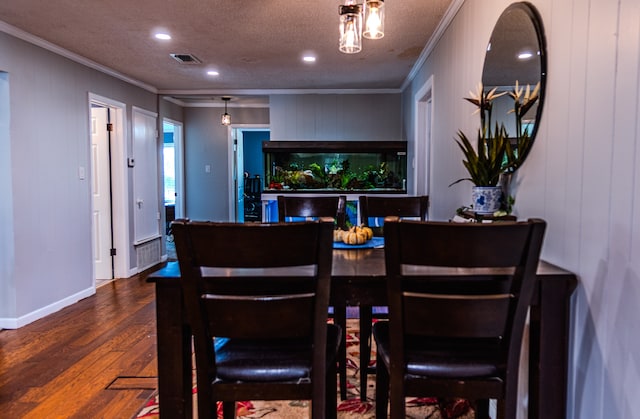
{"x": 255, "y": 45}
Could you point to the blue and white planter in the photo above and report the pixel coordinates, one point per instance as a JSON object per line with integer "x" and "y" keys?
{"x": 486, "y": 199}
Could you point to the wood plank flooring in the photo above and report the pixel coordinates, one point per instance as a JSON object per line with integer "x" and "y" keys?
{"x": 94, "y": 359}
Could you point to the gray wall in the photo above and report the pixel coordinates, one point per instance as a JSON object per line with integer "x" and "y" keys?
{"x": 582, "y": 175}
{"x": 206, "y": 143}
{"x": 46, "y": 209}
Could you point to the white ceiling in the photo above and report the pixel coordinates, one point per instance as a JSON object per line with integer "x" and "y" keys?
{"x": 255, "y": 45}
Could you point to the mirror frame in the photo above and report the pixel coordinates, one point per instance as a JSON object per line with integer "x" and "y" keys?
{"x": 535, "y": 20}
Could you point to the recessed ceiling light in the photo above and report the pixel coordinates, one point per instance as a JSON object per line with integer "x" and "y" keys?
{"x": 213, "y": 73}
{"x": 163, "y": 36}
{"x": 309, "y": 59}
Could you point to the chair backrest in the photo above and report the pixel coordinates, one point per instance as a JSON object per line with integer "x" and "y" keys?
{"x": 373, "y": 209}
{"x": 485, "y": 296}
{"x": 308, "y": 207}
{"x": 257, "y": 281}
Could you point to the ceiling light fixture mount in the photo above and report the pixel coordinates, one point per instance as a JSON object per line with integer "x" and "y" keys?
{"x": 226, "y": 118}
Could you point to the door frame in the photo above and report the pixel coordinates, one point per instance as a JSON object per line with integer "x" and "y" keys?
{"x": 423, "y": 128}
{"x": 234, "y": 176}
{"x": 178, "y": 144}
{"x": 119, "y": 181}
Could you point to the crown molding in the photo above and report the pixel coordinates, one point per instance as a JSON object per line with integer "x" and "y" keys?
{"x": 32, "y": 39}
{"x": 267, "y": 92}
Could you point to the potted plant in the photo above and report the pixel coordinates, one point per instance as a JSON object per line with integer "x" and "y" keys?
{"x": 523, "y": 100}
{"x": 495, "y": 154}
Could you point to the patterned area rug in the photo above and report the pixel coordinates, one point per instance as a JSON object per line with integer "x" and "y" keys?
{"x": 423, "y": 408}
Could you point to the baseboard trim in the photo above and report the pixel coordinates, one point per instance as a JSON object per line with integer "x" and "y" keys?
{"x": 18, "y": 322}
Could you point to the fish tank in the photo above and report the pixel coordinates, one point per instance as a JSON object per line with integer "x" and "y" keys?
{"x": 335, "y": 166}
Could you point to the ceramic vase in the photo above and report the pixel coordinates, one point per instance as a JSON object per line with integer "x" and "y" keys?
{"x": 486, "y": 199}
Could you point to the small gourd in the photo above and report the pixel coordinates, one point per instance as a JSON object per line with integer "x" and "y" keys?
{"x": 338, "y": 235}
{"x": 368, "y": 232}
{"x": 354, "y": 236}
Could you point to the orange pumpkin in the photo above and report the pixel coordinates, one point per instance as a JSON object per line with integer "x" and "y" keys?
{"x": 367, "y": 232}
{"x": 354, "y": 236}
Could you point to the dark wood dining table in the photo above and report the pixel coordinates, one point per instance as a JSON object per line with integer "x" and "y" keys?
{"x": 358, "y": 278}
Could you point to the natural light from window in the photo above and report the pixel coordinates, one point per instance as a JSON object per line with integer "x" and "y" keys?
{"x": 169, "y": 174}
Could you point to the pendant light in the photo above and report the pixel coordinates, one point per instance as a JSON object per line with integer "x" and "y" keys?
{"x": 226, "y": 118}
{"x": 350, "y": 27}
{"x": 374, "y": 19}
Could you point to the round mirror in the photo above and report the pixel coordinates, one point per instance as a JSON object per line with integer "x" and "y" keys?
{"x": 515, "y": 63}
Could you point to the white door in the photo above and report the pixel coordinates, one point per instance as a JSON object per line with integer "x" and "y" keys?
{"x": 145, "y": 176}
{"x": 100, "y": 189}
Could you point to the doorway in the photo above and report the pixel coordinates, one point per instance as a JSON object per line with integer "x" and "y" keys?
{"x": 248, "y": 171}
{"x": 423, "y": 110}
{"x": 108, "y": 197}
{"x": 173, "y": 172}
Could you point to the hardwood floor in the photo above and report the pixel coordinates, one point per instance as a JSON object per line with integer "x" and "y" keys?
{"x": 94, "y": 359}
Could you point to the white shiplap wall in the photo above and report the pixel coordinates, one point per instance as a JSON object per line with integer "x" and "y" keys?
{"x": 581, "y": 175}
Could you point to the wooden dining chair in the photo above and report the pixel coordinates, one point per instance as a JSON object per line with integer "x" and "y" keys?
{"x": 256, "y": 297}
{"x": 458, "y": 295}
{"x": 297, "y": 208}
{"x": 373, "y": 210}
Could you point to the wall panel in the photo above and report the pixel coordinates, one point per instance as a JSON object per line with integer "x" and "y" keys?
{"x": 581, "y": 176}
{"x": 332, "y": 117}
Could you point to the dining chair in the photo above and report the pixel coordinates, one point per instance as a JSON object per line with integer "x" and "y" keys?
{"x": 297, "y": 208}
{"x": 458, "y": 298}
{"x": 373, "y": 210}
{"x": 256, "y": 297}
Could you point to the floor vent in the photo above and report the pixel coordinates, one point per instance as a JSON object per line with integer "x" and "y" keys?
{"x": 148, "y": 254}
{"x": 186, "y": 58}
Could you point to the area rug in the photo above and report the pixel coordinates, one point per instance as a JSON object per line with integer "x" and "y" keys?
{"x": 422, "y": 408}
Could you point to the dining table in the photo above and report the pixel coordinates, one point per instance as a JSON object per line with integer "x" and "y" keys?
{"x": 358, "y": 278}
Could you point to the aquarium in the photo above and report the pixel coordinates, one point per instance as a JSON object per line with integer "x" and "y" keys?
{"x": 330, "y": 166}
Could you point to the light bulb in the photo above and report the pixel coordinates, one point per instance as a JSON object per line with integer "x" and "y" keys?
{"x": 374, "y": 19}
{"x": 350, "y": 29}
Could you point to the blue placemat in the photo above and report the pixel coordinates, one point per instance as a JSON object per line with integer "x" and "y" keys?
{"x": 375, "y": 242}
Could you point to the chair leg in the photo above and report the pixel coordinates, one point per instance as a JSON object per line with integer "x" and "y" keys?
{"x": 366, "y": 317}
{"x": 340, "y": 318}
{"x": 382, "y": 389}
{"x": 506, "y": 408}
{"x": 331, "y": 410}
{"x": 228, "y": 410}
{"x": 397, "y": 408}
